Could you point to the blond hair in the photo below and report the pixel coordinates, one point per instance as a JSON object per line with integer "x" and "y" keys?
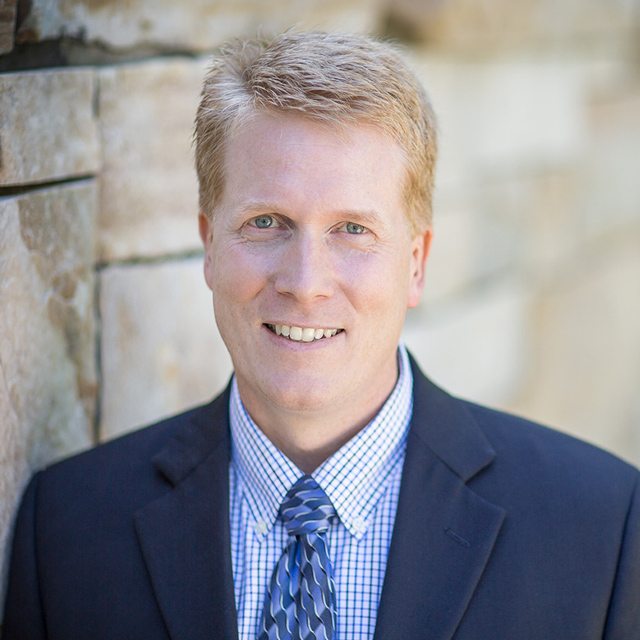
{"x": 336, "y": 79}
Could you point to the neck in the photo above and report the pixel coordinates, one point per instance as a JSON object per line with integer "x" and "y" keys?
{"x": 309, "y": 437}
{"x": 308, "y": 442}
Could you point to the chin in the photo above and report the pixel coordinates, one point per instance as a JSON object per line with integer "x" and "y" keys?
{"x": 299, "y": 397}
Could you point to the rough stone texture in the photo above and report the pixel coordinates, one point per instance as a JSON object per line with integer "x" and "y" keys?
{"x": 198, "y": 25}
{"x": 14, "y": 470}
{"x": 610, "y": 201}
{"x": 585, "y": 254}
{"x": 476, "y": 346}
{"x": 530, "y": 222}
{"x": 161, "y": 351}
{"x": 7, "y": 21}
{"x": 498, "y": 116}
{"x": 538, "y": 180}
{"x": 149, "y": 195}
{"x": 506, "y": 179}
{"x": 585, "y": 370}
{"x": 487, "y": 25}
{"x": 451, "y": 263}
{"x": 47, "y": 364}
{"x": 47, "y": 126}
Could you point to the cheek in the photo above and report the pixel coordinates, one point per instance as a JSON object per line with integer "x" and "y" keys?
{"x": 377, "y": 282}
{"x": 238, "y": 275}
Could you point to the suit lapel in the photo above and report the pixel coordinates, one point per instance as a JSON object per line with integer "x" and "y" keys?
{"x": 444, "y": 533}
{"x": 185, "y": 536}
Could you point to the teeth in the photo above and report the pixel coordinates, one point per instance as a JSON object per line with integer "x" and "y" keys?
{"x": 299, "y": 334}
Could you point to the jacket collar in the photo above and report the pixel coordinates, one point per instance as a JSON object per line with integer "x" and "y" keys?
{"x": 206, "y": 429}
{"x": 440, "y": 422}
{"x": 184, "y": 534}
{"x": 446, "y": 427}
{"x": 443, "y": 536}
{"x": 444, "y": 533}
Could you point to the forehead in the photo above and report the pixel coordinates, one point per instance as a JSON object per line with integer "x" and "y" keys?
{"x": 296, "y": 158}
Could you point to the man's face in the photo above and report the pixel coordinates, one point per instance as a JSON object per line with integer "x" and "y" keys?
{"x": 310, "y": 239}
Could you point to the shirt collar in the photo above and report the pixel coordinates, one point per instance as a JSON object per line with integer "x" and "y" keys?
{"x": 353, "y": 478}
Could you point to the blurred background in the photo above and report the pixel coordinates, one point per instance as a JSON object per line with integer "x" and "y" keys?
{"x": 532, "y": 300}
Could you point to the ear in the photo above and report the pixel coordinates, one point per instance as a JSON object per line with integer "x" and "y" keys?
{"x": 420, "y": 247}
{"x": 206, "y": 235}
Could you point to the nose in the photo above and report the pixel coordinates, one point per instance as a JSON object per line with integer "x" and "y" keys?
{"x": 305, "y": 271}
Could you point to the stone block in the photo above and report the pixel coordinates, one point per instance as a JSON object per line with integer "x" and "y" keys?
{"x": 14, "y": 470}
{"x": 161, "y": 351}
{"x": 504, "y": 116}
{"x": 47, "y": 362}
{"x": 191, "y": 25}
{"x": 530, "y": 222}
{"x": 149, "y": 193}
{"x": 469, "y": 25}
{"x": 7, "y": 23}
{"x": 610, "y": 201}
{"x": 450, "y": 266}
{"x": 512, "y": 140}
{"x": 475, "y": 345}
{"x": 585, "y": 370}
{"x": 47, "y": 126}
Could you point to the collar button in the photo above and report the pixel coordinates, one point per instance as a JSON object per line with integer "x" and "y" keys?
{"x": 359, "y": 524}
{"x": 260, "y": 527}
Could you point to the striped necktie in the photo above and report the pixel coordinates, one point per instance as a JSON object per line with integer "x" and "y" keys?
{"x": 301, "y": 601}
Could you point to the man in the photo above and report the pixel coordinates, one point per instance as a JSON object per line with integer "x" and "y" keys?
{"x": 331, "y": 491}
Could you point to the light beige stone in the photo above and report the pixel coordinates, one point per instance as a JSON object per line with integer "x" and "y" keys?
{"x": 504, "y": 116}
{"x": 586, "y": 364}
{"x": 149, "y": 194}
{"x": 513, "y": 136}
{"x": 453, "y": 256}
{"x": 476, "y": 345}
{"x": 14, "y": 470}
{"x": 468, "y": 25}
{"x": 47, "y": 126}
{"x": 610, "y": 198}
{"x": 530, "y": 222}
{"x": 470, "y": 247}
{"x": 47, "y": 363}
{"x": 7, "y": 23}
{"x": 161, "y": 351}
{"x": 523, "y": 192}
{"x": 192, "y": 25}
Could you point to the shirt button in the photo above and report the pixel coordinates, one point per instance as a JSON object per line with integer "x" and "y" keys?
{"x": 359, "y": 524}
{"x": 260, "y": 527}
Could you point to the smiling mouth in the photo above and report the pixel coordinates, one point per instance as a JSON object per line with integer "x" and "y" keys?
{"x": 299, "y": 334}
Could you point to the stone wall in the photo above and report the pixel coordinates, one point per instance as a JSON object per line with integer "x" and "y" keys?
{"x": 533, "y": 290}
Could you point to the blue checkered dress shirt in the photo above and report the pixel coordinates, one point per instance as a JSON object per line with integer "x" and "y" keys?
{"x": 362, "y": 480}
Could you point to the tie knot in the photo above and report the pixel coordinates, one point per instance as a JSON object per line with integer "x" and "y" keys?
{"x": 306, "y": 508}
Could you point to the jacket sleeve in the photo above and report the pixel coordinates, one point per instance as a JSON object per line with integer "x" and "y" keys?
{"x": 623, "y": 620}
{"x": 23, "y": 617}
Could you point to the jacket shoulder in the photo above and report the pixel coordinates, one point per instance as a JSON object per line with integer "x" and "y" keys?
{"x": 552, "y": 475}
{"x": 515, "y": 436}
{"x": 127, "y": 450}
{"x": 129, "y": 471}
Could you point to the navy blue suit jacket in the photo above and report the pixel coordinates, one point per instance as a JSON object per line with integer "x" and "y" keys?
{"x": 504, "y": 529}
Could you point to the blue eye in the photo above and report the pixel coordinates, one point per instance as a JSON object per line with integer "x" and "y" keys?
{"x": 264, "y": 222}
{"x": 354, "y": 228}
